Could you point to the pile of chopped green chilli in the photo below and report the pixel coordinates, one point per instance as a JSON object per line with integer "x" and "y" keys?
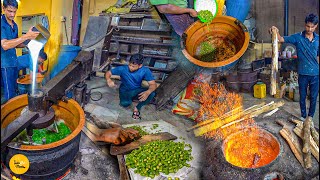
{"x": 207, "y": 51}
{"x": 159, "y": 156}
{"x": 205, "y": 16}
{"x": 45, "y": 136}
{"x": 142, "y": 132}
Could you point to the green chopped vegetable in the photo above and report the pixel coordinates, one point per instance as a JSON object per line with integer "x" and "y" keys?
{"x": 207, "y": 51}
{"x": 154, "y": 126}
{"x": 142, "y": 132}
{"x": 205, "y": 16}
{"x": 44, "y": 136}
{"x": 159, "y": 156}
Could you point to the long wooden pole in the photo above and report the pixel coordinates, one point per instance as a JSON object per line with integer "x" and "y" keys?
{"x": 274, "y": 63}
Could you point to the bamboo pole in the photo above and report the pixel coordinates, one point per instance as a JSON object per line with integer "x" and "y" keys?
{"x": 251, "y": 113}
{"x": 274, "y": 63}
{"x": 230, "y": 113}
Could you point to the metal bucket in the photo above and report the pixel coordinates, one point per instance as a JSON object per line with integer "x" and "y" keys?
{"x": 43, "y": 36}
{"x": 224, "y": 27}
{"x": 49, "y": 161}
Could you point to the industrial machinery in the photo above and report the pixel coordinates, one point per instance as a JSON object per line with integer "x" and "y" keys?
{"x": 39, "y": 114}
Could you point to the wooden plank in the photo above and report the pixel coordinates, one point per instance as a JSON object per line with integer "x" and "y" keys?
{"x": 124, "y": 149}
{"x": 124, "y": 175}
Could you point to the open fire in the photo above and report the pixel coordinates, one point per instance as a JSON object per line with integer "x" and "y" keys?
{"x": 251, "y": 148}
{"x": 221, "y": 116}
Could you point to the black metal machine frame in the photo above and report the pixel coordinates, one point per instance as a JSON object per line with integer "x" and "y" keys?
{"x": 71, "y": 78}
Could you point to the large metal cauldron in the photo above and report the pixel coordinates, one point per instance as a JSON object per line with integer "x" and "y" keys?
{"x": 224, "y": 27}
{"x": 48, "y": 161}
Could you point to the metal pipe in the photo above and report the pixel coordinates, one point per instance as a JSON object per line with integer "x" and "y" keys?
{"x": 286, "y": 11}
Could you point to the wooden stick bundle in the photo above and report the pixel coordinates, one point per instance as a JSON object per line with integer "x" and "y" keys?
{"x": 314, "y": 148}
{"x": 314, "y": 133}
{"x": 292, "y": 141}
{"x": 252, "y": 112}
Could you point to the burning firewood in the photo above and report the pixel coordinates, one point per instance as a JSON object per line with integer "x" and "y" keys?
{"x": 292, "y": 141}
{"x": 202, "y": 123}
{"x": 256, "y": 159}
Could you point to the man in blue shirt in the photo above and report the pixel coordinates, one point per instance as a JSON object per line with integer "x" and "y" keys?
{"x": 131, "y": 79}
{"x": 10, "y": 41}
{"x": 307, "y": 44}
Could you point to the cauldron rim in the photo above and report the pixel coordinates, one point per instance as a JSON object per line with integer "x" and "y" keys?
{"x": 218, "y": 19}
{"x": 245, "y": 128}
{"x": 63, "y": 141}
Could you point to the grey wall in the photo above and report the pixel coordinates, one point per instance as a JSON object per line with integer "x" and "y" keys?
{"x": 271, "y": 12}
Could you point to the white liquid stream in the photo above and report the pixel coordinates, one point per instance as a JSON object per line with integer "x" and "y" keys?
{"x": 34, "y": 48}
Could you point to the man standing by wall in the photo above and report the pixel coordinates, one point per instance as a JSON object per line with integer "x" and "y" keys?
{"x": 10, "y": 41}
{"x": 307, "y": 44}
